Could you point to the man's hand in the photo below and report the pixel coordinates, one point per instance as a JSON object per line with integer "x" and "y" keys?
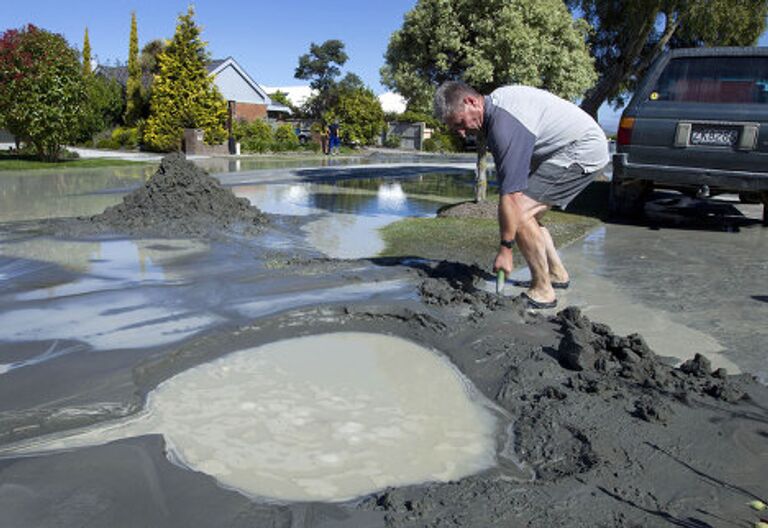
{"x": 503, "y": 261}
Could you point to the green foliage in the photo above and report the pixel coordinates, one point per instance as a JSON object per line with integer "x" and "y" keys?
{"x": 42, "y": 91}
{"x": 487, "y": 43}
{"x": 417, "y": 117}
{"x": 443, "y": 142}
{"x": 126, "y": 137}
{"x": 392, "y": 141}
{"x": 183, "y": 94}
{"x": 282, "y": 98}
{"x": 360, "y": 116}
{"x": 148, "y": 57}
{"x": 321, "y": 66}
{"x": 104, "y": 108}
{"x": 86, "y": 54}
{"x": 133, "y": 92}
{"x": 255, "y": 136}
{"x": 285, "y": 138}
{"x": 628, "y": 36}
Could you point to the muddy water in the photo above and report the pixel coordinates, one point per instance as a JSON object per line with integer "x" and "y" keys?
{"x": 325, "y": 417}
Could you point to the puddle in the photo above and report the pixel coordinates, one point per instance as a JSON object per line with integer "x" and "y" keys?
{"x": 602, "y": 300}
{"x": 54, "y": 193}
{"x": 108, "y": 304}
{"x": 321, "y": 418}
{"x": 353, "y": 211}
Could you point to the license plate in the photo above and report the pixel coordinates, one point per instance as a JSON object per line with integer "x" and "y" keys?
{"x": 714, "y": 136}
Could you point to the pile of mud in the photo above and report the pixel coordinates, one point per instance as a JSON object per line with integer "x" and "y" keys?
{"x": 180, "y": 200}
{"x": 485, "y": 209}
{"x": 594, "y": 349}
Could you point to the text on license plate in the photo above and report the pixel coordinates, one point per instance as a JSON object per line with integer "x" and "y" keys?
{"x": 714, "y": 136}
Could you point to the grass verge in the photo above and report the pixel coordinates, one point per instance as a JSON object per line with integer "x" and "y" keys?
{"x": 476, "y": 240}
{"x": 10, "y": 162}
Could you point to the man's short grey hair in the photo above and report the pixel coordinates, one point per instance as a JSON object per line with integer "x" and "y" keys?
{"x": 449, "y": 98}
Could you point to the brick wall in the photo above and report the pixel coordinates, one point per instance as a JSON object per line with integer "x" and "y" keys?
{"x": 250, "y": 111}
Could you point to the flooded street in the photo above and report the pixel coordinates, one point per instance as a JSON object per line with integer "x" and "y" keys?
{"x": 288, "y": 378}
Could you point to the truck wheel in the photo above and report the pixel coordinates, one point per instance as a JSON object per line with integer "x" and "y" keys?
{"x": 765, "y": 209}
{"x": 627, "y": 197}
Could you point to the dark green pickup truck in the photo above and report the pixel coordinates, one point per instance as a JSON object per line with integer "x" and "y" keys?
{"x": 698, "y": 123}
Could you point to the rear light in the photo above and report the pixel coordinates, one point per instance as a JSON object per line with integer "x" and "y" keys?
{"x": 625, "y": 130}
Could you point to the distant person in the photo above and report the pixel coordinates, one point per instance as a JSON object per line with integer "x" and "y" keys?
{"x": 547, "y": 150}
{"x": 333, "y": 137}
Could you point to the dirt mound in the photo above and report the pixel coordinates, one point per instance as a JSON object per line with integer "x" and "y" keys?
{"x": 592, "y": 347}
{"x": 487, "y": 209}
{"x": 180, "y": 199}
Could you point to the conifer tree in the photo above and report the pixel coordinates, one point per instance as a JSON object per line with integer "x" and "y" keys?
{"x": 133, "y": 93}
{"x": 183, "y": 94}
{"x": 86, "y": 54}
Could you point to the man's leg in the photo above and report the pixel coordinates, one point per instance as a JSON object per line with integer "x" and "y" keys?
{"x": 533, "y": 245}
{"x": 557, "y": 271}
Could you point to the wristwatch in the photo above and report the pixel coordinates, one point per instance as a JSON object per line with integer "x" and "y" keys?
{"x": 507, "y": 243}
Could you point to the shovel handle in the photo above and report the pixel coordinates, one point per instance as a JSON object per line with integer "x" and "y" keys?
{"x": 500, "y": 281}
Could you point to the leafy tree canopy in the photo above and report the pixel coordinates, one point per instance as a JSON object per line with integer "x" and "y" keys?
{"x": 183, "y": 94}
{"x": 321, "y": 66}
{"x": 487, "y": 43}
{"x": 42, "y": 89}
{"x": 629, "y": 36}
{"x": 359, "y": 114}
{"x": 104, "y": 108}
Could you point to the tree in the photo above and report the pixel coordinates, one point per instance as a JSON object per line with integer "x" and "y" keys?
{"x": 321, "y": 66}
{"x": 359, "y": 114}
{"x": 134, "y": 100}
{"x": 42, "y": 93}
{"x": 282, "y": 98}
{"x": 105, "y": 106}
{"x": 183, "y": 94}
{"x": 86, "y": 54}
{"x": 149, "y": 54}
{"x": 487, "y": 43}
{"x": 629, "y": 36}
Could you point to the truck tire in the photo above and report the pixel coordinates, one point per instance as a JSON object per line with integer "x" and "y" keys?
{"x": 765, "y": 209}
{"x": 627, "y": 197}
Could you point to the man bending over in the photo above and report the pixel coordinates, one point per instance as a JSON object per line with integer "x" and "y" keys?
{"x": 546, "y": 150}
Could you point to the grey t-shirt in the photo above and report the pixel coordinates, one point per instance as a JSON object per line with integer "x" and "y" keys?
{"x": 526, "y": 126}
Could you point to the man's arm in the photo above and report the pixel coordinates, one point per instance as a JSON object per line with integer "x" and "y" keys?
{"x": 509, "y": 215}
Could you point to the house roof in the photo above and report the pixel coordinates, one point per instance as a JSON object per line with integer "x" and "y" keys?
{"x": 120, "y": 74}
{"x": 218, "y": 65}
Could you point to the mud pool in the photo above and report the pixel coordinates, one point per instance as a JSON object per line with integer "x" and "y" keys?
{"x": 93, "y": 330}
{"x": 315, "y": 418}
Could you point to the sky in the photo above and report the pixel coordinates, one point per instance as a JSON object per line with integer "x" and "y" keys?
{"x": 265, "y": 37}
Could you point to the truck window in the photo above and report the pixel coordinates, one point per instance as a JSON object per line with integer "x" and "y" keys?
{"x": 736, "y": 80}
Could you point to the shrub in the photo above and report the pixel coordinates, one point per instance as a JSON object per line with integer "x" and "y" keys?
{"x": 392, "y": 141}
{"x": 443, "y": 142}
{"x": 125, "y": 137}
{"x": 285, "y": 138}
{"x": 253, "y": 137}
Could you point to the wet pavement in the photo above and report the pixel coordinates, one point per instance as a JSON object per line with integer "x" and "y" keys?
{"x": 89, "y": 327}
{"x": 689, "y": 280}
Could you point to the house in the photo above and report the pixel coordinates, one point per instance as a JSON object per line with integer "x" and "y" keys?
{"x": 246, "y": 99}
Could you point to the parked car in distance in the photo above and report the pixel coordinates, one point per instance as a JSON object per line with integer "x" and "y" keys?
{"x": 698, "y": 123}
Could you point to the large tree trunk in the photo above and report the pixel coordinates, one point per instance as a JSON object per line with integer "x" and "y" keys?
{"x": 481, "y": 173}
{"x": 630, "y": 61}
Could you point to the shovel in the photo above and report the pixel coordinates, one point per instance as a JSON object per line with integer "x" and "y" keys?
{"x": 501, "y": 280}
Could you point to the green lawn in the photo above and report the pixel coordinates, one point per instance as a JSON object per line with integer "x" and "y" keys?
{"x": 476, "y": 240}
{"x": 13, "y": 162}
